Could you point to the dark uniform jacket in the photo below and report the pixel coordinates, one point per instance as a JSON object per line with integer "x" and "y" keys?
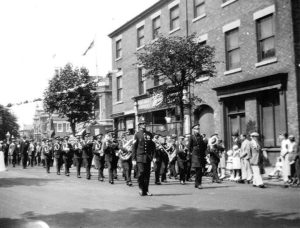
{"x": 143, "y": 148}
{"x": 57, "y": 150}
{"x": 197, "y": 147}
{"x": 77, "y": 150}
{"x": 97, "y": 147}
{"x": 109, "y": 149}
{"x": 182, "y": 152}
{"x": 87, "y": 150}
{"x": 213, "y": 154}
{"x": 24, "y": 148}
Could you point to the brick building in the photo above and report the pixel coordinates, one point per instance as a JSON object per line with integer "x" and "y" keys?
{"x": 257, "y": 82}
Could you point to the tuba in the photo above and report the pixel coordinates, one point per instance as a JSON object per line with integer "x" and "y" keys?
{"x": 126, "y": 152}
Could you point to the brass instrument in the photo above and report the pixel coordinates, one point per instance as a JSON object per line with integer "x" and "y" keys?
{"x": 98, "y": 148}
{"x": 126, "y": 152}
{"x": 66, "y": 148}
{"x": 170, "y": 155}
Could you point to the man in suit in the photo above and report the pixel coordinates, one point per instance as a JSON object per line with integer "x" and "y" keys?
{"x": 87, "y": 154}
{"x": 66, "y": 154}
{"x": 24, "y": 145}
{"x": 110, "y": 155}
{"x": 78, "y": 154}
{"x": 99, "y": 156}
{"x": 142, "y": 153}
{"x": 197, "y": 146}
{"x": 57, "y": 154}
{"x": 157, "y": 159}
{"x": 48, "y": 152}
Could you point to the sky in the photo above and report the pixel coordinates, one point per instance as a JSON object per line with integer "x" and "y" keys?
{"x": 38, "y": 36}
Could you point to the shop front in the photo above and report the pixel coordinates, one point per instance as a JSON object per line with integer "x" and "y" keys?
{"x": 255, "y": 105}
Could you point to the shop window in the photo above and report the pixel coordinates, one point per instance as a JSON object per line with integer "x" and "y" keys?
{"x": 235, "y": 118}
{"x": 270, "y": 118}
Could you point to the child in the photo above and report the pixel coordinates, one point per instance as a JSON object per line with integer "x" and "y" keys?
{"x": 278, "y": 168}
{"x": 236, "y": 163}
{"x": 229, "y": 164}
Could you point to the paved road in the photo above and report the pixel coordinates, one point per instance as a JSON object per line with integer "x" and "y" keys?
{"x": 31, "y": 195}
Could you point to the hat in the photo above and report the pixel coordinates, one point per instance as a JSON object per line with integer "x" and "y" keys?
{"x": 86, "y": 134}
{"x": 236, "y": 134}
{"x": 57, "y": 138}
{"x": 235, "y": 147}
{"x": 254, "y": 134}
{"x": 196, "y": 127}
{"x": 43, "y": 140}
{"x": 173, "y": 136}
{"x": 213, "y": 140}
{"x": 66, "y": 137}
{"x": 291, "y": 137}
{"x": 141, "y": 122}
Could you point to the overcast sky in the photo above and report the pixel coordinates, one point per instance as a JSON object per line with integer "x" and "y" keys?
{"x": 39, "y": 35}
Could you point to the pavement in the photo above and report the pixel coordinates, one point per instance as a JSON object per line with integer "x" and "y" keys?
{"x": 33, "y": 198}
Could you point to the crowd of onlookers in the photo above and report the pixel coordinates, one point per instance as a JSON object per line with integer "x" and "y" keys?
{"x": 243, "y": 162}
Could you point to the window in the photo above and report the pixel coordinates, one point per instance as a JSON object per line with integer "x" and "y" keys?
{"x": 118, "y": 49}
{"x": 232, "y": 49}
{"x": 140, "y": 36}
{"x": 142, "y": 81}
{"x": 156, "y": 81}
{"x": 236, "y": 121}
{"x": 199, "y": 8}
{"x": 270, "y": 118}
{"x": 121, "y": 124}
{"x": 59, "y": 127}
{"x": 265, "y": 38}
{"x": 174, "y": 17}
{"x": 119, "y": 88}
{"x": 155, "y": 27}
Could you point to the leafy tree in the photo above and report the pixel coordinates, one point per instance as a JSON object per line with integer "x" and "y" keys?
{"x": 70, "y": 95}
{"x": 177, "y": 62}
{"x": 8, "y": 123}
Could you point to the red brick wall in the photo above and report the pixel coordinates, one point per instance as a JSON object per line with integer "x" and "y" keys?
{"x": 212, "y": 24}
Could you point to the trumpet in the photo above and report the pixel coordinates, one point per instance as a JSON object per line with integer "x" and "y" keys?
{"x": 126, "y": 152}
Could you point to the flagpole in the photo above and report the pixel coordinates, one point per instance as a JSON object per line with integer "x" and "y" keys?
{"x": 96, "y": 55}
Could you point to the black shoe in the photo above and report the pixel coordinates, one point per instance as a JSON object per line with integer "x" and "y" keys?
{"x": 88, "y": 177}
{"x": 261, "y": 186}
{"x": 58, "y": 173}
{"x": 101, "y": 179}
{"x": 141, "y": 193}
{"x": 157, "y": 183}
{"x": 78, "y": 176}
{"x": 111, "y": 182}
{"x": 182, "y": 182}
{"x": 218, "y": 181}
{"x": 67, "y": 174}
{"x": 129, "y": 184}
{"x": 200, "y": 187}
{"x": 241, "y": 181}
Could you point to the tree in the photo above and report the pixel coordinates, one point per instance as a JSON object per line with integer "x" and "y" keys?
{"x": 70, "y": 94}
{"x": 177, "y": 62}
{"x": 8, "y": 123}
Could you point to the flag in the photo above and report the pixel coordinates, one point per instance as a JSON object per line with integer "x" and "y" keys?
{"x": 90, "y": 47}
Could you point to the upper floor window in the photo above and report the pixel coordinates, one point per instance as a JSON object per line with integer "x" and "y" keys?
{"x": 174, "y": 17}
{"x": 142, "y": 81}
{"x": 232, "y": 49}
{"x": 155, "y": 27}
{"x": 118, "y": 49}
{"x": 59, "y": 127}
{"x": 265, "y": 37}
{"x": 119, "y": 88}
{"x": 199, "y": 8}
{"x": 140, "y": 36}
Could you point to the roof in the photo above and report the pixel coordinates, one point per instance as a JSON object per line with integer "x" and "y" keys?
{"x": 139, "y": 17}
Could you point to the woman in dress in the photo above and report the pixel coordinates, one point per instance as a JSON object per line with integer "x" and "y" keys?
{"x": 2, "y": 164}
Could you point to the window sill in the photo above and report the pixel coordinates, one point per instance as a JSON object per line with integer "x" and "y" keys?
{"x": 198, "y": 18}
{"x": 140, "y": 47}
{"x": 228, "y": 3}
{"x": 119, "y": 102}
{"x": 174, "y": 30}
{"x": 233, "y": 71}
{"x": 118, "y": 59}
{"x": 266, "y": 62}
{"x": 202, "y": 79}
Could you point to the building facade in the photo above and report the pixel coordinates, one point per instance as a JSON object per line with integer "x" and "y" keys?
{"x": 257, "y": 81}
